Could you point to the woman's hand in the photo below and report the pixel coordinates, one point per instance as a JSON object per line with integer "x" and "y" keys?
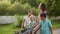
{"x": 35, "y": 29}
{"x": 33, "y": 32}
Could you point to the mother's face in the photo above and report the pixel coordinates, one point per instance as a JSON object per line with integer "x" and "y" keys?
{"x": 30, "y": 13}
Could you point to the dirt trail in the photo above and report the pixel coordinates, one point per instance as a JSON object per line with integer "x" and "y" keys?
{"x": 57, "y": 31}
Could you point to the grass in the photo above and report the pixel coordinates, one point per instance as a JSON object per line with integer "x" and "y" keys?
{"x": 7, "y": 29}
{"x": 56, "y": 24}
{"x": 10, "y": 29}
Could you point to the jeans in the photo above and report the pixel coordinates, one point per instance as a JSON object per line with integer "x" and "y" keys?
{"x": 28, "y": 30}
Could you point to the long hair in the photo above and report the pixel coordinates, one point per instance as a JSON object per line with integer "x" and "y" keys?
{"x": 42, "y": 6}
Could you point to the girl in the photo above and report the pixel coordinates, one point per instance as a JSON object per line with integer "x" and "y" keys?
{"x": 28, "y": 22}
{"x": 42, "y": 9}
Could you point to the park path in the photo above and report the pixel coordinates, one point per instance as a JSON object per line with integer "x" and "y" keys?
{"x": 57, "y": 31}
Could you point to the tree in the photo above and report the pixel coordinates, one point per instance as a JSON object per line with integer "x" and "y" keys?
{"x": 54, "y": 7}
{"x": 33, "y": 3}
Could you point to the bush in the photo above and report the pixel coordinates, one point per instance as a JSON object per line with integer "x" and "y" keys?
{"x": 14, "y": 9}
{"x": 35, "y": 11}
{"x": 18, "y": 8}
{"x": 3, "y": 6}
{"x": 19, "y": 19}
{"x": 6, "y": 8}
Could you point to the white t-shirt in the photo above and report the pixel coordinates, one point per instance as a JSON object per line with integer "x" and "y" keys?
{"x": 27, "y": 21}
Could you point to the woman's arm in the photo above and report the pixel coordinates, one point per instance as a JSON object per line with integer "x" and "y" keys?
{"x": 35, "y": 29}
{"x": 36, "y": 23}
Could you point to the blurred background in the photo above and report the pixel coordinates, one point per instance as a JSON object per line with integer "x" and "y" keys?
{"x": 13, "y": 11}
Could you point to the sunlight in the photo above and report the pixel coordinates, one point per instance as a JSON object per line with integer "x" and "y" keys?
{"x": 5, "y": 1}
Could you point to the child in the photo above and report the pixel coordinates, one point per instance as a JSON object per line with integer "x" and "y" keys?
{"x": 29, "y": 22}
{"x": 32, "y": 24}
{"x": 42, "y": 9}
{"x": 26, "y": 20}
{"x": 44, "y": 24}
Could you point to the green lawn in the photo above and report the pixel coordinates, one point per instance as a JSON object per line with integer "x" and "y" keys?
{"x": 56, "y": 24}
{"x": 6, "y": 29}
{"x": 9, "y": 29}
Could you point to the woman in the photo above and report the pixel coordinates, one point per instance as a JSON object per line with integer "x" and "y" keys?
{"x": 42, "y": 8}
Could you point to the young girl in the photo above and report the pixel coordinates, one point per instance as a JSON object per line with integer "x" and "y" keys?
{"x": 42, "y": 8}
{"x": 29, "y": 22}
{"x": 32, "y": 24}
{"x": 26, "y": 20}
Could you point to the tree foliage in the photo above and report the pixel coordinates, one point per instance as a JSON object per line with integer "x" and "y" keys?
{"x": 12, "y": 7}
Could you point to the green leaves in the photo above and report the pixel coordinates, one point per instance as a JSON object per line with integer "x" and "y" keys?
{"x": 19, "y": 19}
{"x": 12, "y": 7}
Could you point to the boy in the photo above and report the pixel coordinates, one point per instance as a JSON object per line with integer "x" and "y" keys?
{"x": 44, "y": 24}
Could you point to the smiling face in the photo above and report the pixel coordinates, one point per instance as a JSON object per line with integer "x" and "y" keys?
{"x": 30, "y": 13}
